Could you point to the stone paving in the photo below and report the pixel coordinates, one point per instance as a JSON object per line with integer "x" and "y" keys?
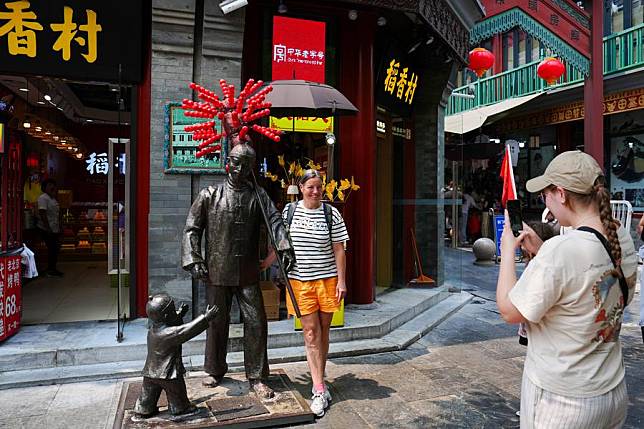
{"x": 464, "y": 373}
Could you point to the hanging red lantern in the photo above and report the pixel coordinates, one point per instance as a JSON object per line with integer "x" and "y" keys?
{"x": 550, "y": 70}
{"x": 480, "y": 60}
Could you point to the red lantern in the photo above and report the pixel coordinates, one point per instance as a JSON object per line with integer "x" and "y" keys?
{"x": 480, "y": 60}
{"x": 550, "y": 70}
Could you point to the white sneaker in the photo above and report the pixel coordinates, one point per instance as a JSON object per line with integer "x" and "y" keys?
{"x": 327, "y": 393}
{"x": 318, "y": 404}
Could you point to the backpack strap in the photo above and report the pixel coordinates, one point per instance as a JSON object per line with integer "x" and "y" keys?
{"x": 289, "y": 214}
{"x": 622, "y": 281}
{"x": 328, "y": 216}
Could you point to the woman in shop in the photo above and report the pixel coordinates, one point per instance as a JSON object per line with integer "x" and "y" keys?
{"x": 571, "y": 297}
{"x": 318, "y": 278}
{"x": 49, "y": 224}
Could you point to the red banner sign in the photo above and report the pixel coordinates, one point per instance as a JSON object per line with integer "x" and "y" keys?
{"x": 10, "y": 297}
{"x": 298, "y": 49}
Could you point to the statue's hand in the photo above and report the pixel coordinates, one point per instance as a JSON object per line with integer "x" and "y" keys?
{"x": 211, "y": 312}
{"x": 288, "y": 259}
{"x": 183, "y": 310}
{"x": 199, "y": 271}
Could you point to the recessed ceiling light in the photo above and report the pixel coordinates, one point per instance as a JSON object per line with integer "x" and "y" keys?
{"x": 23, "y": 89}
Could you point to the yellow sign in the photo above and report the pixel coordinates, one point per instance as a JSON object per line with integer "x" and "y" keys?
{"x": 303, "y": 124}
{"x": 336, "y": 321}
{"x": 21, "y": 24}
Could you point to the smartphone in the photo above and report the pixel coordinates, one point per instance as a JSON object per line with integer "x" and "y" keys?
{"x": 516, "y": 220}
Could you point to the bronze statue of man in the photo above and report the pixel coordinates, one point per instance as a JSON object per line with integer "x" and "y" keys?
{"x": 230, "y": 216}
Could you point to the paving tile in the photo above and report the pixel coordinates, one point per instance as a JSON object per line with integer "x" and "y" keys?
{"x": 26, "y": 402}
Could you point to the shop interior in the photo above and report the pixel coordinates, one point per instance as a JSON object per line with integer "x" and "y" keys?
{"x": 76, "y": 134}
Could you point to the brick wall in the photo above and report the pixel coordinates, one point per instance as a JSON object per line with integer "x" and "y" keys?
{"x": 172, "y": 70}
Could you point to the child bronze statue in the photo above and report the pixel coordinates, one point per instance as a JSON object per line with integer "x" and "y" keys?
{"x": 164, "y": 368}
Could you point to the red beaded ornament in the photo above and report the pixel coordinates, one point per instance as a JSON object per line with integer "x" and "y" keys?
{"x": 237, "y": 114}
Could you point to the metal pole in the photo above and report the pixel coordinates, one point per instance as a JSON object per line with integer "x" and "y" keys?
{"x": 289, "y": 289}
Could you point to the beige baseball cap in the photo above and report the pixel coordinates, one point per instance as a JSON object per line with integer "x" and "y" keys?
{"x": 574, "y": 171}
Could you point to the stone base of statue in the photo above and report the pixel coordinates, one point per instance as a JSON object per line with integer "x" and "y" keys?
{"x": 228, "y": 405}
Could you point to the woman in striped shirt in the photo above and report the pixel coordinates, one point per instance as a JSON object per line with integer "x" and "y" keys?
{"x": 318, "y": 233}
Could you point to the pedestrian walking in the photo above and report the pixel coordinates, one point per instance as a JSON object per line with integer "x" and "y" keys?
{"x": 572, "y": 297}
{"x": 468, "y": 203}
{"x": 48, "y": 224}
{"x": 318, "y": 233}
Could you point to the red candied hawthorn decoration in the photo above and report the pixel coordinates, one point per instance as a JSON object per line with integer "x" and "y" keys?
{"x": 237, "y": 114}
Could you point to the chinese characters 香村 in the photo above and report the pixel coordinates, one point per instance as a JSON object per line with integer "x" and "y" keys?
{"x": 21, "y": 26}
{"x": 397, "y": 81}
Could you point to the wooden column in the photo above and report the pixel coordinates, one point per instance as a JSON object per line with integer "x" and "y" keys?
{"x": 356, "y": 153}
{"x": 594, "y": 88}
{"x": 497, "y": 50}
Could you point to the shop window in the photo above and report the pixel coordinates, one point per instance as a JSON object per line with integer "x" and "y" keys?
{"x": 617, "y": 18}
{"x": 533, "y": 142}
{"x": 522, "y": 48}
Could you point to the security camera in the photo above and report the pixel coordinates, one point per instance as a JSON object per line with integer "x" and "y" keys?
{"x": 228, "y": 6}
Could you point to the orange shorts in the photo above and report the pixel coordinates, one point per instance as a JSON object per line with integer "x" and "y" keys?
{"x": 314, "y": 295}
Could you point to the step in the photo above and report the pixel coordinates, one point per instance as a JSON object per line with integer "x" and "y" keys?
{"x": 397, "y": 339}
{"x": 54, "y": 345}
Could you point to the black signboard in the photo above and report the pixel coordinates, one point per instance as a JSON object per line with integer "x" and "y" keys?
{"x": 75, "y": 39}
{"x": 398, "y": 82}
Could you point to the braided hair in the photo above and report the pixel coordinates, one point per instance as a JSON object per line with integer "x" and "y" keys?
{"x": 600, "y": 196}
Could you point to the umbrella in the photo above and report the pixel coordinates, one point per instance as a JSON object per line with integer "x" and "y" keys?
{"x": 304, "y": 98}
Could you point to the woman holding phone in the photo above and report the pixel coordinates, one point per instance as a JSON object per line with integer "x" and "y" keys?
{"x": 571, "y": 297}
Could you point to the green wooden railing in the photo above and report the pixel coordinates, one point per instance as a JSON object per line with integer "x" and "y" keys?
{"x": 622, "y": 51}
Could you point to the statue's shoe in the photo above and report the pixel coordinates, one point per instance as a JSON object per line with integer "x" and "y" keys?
{"x": 212, "y": 381}
{"x": 262, "y": 390}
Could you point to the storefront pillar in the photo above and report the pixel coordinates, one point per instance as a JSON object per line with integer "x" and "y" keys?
{"x": 142, "y": 199}
{"x": 594, "y": 88}
{"x": 430, "y": 158}
{"x": 357, "y": 154}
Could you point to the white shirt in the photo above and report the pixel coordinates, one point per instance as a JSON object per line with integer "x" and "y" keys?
{"x": 50, "y": 205}
{"x": 574, "y": 311}
{"x": 314, "y": 256}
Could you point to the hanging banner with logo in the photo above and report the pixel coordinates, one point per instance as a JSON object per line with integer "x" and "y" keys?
{"x": 299, "y": 53}
{"x": 77, "y": 39}
{"x": 10, "y": 296}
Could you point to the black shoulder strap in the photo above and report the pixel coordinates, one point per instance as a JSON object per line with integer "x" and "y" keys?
{"x": 622, "y": 281}
{"x": 328, "y": 215}
{"x": 289, "y": 214}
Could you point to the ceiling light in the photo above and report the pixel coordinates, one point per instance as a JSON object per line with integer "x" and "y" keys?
{"x": 23, "y": 89}
{"x": 47, "y": 97}
{"x": 40, "y": 102}
{"x": 26, "y": 124}
{"x": 353, "y": 14}
{"x": 48, "y": 133}
{"x": 382, "y": 21}
{"x": 63, "y": 141}
{"x": 429, "y": 41}
{"x": 282, "y": 8}
{"x": 79, "y": 155}
{"x": 38, "y": 128}
{"x": 89, "y": 120}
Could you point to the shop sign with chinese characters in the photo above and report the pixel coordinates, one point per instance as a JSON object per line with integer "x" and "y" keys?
{"x": 299, "y": 53}
{"x": 98, "y": 163}
{"x": 10, "y": 296}
{"x": 303, "y": 124}
{"x": 400, "y": 81}
{"x": 83, "y": 39}
{"x": 613, "y": 103}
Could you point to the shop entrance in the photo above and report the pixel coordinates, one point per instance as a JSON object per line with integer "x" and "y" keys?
{"x": 384, "y": 204}
{"x": 73, "y": 137}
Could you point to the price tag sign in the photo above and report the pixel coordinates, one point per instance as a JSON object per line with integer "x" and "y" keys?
{"x": 10, "y": 296}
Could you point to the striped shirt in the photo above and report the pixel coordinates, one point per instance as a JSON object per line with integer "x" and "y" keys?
{"x": 310, "y": 235}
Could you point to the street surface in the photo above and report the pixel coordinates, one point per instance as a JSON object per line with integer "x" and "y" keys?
{"x": 464, "y": 373}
